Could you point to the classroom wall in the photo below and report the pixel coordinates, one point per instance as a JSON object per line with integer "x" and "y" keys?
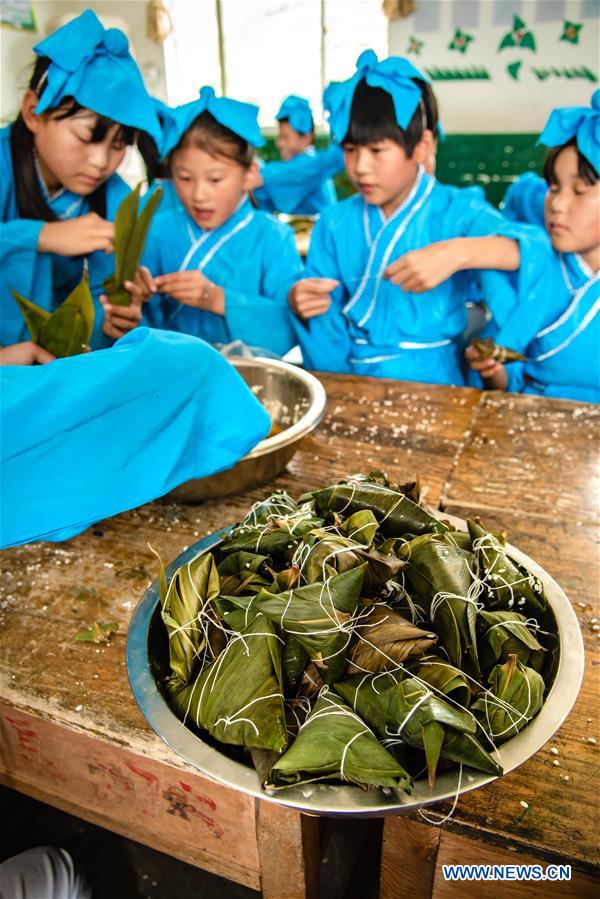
{"x": 16, "y": 47}
{"x": 516, "y": 86}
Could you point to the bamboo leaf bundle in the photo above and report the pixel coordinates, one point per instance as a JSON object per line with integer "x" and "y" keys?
{"x": 67, "y": 330}
{"x": 352, "y": 637}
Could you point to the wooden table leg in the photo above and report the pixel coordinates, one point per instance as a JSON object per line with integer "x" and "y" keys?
{"x": 289, "y": 852}
{"x": 408, "y": 859}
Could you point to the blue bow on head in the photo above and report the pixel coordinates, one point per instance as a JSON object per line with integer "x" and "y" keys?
{"x": 298, "y": 113}
{"x": 580, "y": 122}
{"x": 93, "y": 64}
{"x": 394, "y": 74}
{"x": 241, "y": 118}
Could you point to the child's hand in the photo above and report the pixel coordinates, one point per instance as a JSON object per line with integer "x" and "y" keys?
{"x": 310, "y": 297}
{"x": 78, "y": 236}
{"x": 492, "y": 372}
{"x": 27, "y": 353}
{"x": 120, "y": 320}
{"x": 424, "y": 269}
{"x": 193, "y": 289}
{"x": 143, "y": 285}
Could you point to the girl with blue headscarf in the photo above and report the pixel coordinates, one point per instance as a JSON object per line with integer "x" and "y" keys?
{"x": 59, "y": 191}
{"x": 214, "y": 266}
{"x": 562, "y": 333}
{"x": 388, "y": 271}
{"x": 295, "y": 142}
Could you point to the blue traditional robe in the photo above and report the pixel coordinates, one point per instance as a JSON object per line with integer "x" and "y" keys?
{"x": 375, "y": 328}
{"x": 252, "y": 256}
{"x": 524, "y": 199}
{"x": 302, "y": 185}
{"x": 45, "y": 278}
{"x": 564, "y": 352}
{"x": 93, "y": 435}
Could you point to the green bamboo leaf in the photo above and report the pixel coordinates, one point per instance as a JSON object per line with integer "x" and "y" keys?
{"x": 35, "y": 317}
{"x": 383, "y": 639}
{"x": 517, "y": 695}
{"x": 67, "y": 331}
{"x": 335, "y": 744}
{"x": 125, "y": 220}
{"x": 319, "y": 616}
{"x": 361, "y": 527}
{"x": 238, "y": 698}
{"x": 502, "y": 634}
{"x": 131, "y": 231}
{"x": 441, "y": 573}
{"x": 507, "y": 584}
{"x": 487, "y": 349}
{"x": 194, "y": 638}
{"x": 408, "y": 707}
{"x": 396, "y": 514}
{"x": 139, "y": 234}
{"x": 444, "y": 678}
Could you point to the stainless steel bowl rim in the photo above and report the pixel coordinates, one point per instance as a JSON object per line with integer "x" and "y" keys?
{"x": 310, "y": 419}
{"x": 330, "y": 799}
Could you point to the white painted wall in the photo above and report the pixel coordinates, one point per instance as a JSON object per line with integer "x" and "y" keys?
{"x": 16, "y": 46}
{"x": 503, "y": 105}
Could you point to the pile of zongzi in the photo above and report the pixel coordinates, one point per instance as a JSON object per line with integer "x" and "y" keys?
{"x": 352, "y": 637}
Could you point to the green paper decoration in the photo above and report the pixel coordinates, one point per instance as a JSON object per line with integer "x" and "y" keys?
{"x": 460, "y": 41}
{"x": 520, "y": 36}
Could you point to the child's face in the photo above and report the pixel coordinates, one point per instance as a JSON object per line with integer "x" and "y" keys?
{"x": 290, "y": 142}
{"x": 65, "y": 152}
{"x": 210, "y": 187}
{"x": 572, "y": 209}
{"x": 381, "y": 172}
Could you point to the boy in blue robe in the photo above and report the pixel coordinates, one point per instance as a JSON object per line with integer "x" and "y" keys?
{"x": 58, "y": 189}
{"x": 214, "y": 266}
{"x": 388, "y": 270}
{"x": 295, "y": 142}
{"x": 562, "y": 334}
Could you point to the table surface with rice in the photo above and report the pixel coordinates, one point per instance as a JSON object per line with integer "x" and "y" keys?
{"x": 73, "y": 736}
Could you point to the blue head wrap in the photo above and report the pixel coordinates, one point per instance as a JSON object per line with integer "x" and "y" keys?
{"x": 241, "y": 118}
{"x": 298, "y": 113}
{"x": 394, "y": 74}
{"x": 580, "y": 122}
{"x": 93, "y": 65}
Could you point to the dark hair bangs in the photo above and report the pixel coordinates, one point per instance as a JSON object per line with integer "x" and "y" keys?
{"x": 373, "y": 117}
{"x": 207, "y": 134}
{"x": 69, "y": 107}
{"x": 585, "y": 169}
{"x": 311, "y": 130}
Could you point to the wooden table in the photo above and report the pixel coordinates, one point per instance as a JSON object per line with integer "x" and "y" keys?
{"x": 73, "y": 736}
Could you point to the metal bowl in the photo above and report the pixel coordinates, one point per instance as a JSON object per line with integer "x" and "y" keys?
{"x": 147, "y": 658}
{"x": 296, "y": 402}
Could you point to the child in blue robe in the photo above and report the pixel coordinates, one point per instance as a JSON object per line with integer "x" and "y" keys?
{"x": 58, "y": 189}
{"x": 214, "y": 266}
{"x": 388, "y": 270}
{"x": 295, "y": 141}
{"x": 93, "y": 435}
{"x": 563, "y": 333}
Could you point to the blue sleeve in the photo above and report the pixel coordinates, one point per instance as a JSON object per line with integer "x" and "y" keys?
{"x": 288, "y": 184}
{"x": 507, "y": 293}
{"x": 25, "y": 270}
{"x": 524, "y": 199}
{"x": 144, "y": 416}
{"x": 516, "y": 377}
{"x": 264, "y": 320}
{"x": 324, "y": 339}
